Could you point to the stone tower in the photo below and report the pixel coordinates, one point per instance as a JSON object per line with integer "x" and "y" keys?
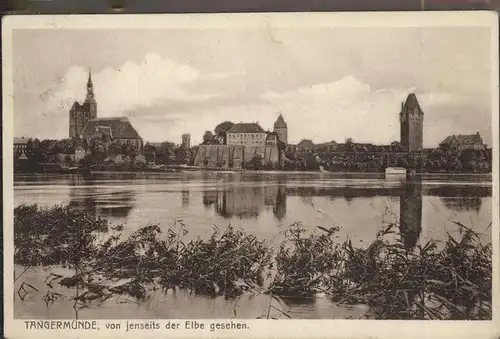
{"x": 281, "y": 129}
{"x": 80, "y": 114}
{"x": 186, "y": 141}
{"x": 411, "y": 118}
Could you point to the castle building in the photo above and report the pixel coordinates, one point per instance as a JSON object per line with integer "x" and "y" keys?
{"x": 80, "y": 114}
{"x": 246, "y": 134}
{"x": 186, "y": 141}
{"x": 411, "y": 119}
{"x": 281, "y": 129}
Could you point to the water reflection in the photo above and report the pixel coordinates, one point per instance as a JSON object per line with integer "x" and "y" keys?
{"x": 185, "y": 197}
{"x": 464, "y": 198}
{"x": 463, "y": 203}
{"x": 100, "y": 200}
{"x": 209, "y": 197}
{"x": 247, "y": 202}
{"x": 249, "y": 196}
{"x": 410, "y": 214}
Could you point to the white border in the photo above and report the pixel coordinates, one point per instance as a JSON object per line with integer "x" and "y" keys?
{"x": 259, "y": 328}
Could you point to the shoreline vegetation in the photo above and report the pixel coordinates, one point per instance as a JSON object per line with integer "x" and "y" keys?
{"x": 446, "y": 281}
{"x": 73, "y": 155}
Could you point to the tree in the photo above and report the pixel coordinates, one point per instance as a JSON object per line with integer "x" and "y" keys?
{"x": 130, "y": 150}
{"x": 208, "y": 138}
{"x": 114, "y": 149}
{"x": 310, "y": 162}
{"x": 255, "y": 163}
{"x": 166, "y": 154}
{"x": 349, "y": 145}
{"x": 98, "y": 149}
{"x": 396, "y": 146}
{"x": 223, "y": 127}
{"x": 140, "y": 161}
{"x": 219, "y": 139}
{"x": 181, "y": 155}
{"x": 221, "y": 131}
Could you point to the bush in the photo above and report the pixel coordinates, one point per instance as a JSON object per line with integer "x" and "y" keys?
{"x": 59, "y": 235}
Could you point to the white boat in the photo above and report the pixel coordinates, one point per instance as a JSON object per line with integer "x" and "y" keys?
{"x": 395, "y": 172}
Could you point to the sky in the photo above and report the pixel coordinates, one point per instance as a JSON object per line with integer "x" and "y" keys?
{"x": 329, "y": 83}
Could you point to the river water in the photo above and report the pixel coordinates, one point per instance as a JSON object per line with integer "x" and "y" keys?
{"x": 262, "y": 204}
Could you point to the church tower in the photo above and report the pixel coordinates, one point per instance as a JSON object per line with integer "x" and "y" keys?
{"x": 90, "y": 99}
{"x": 80, "y": 114}
{"x": 411, "y": 119}
{"x": 281, "y": 129}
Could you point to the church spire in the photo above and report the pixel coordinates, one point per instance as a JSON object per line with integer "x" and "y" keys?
{"x": 90, "y": 89}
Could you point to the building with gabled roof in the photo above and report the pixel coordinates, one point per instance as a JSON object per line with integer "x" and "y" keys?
{"x": 84, "y": 123}
{"x": 119, "y": 130}
{"x": 462, "y": 142}
{"x": 246, "y": 134}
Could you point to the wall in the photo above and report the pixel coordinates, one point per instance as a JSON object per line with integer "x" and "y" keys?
{"x": 222, "y": 155}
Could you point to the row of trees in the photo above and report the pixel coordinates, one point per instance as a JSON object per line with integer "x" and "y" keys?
{"x": 48, "y": 150}
{"x": 469, "y": 161}
{"x": 101, "y": 152}
{"x": 167, "y": 153}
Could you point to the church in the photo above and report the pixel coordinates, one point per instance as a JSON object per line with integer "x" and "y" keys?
{"x": 84, "y": 123}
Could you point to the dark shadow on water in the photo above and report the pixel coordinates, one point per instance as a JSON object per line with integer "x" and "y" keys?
{"x": 102, "y": 201}
{"x": 410, "y": 214}
{"x": 209, "y": 198}
{"x": 248, "y": 202}
{"x": 185, "y": 198}
{"x": 459, "y": 204}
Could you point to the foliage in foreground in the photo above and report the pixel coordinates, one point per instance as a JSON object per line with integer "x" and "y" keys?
{"x": 427, "y": 282}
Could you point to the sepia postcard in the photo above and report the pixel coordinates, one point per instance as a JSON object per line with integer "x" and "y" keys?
{"x": 251, "y": 175}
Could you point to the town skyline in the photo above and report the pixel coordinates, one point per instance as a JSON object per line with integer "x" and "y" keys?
{"x": 167, "y": 93}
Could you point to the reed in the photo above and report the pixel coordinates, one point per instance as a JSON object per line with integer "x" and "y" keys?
{"x": 452, "y": 281}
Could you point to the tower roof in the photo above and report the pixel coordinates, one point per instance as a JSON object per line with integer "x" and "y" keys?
{"x": 412, "y": 103}
{"x": 90, "y": 90}
{"x": 280, "y": 122}
{"x": 246, "y": 128}
{"x": 89, "y": 81}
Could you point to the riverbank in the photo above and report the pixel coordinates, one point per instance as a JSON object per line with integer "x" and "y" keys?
{"x": 394, "y": 281}
{"x": 354, "y": 174}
